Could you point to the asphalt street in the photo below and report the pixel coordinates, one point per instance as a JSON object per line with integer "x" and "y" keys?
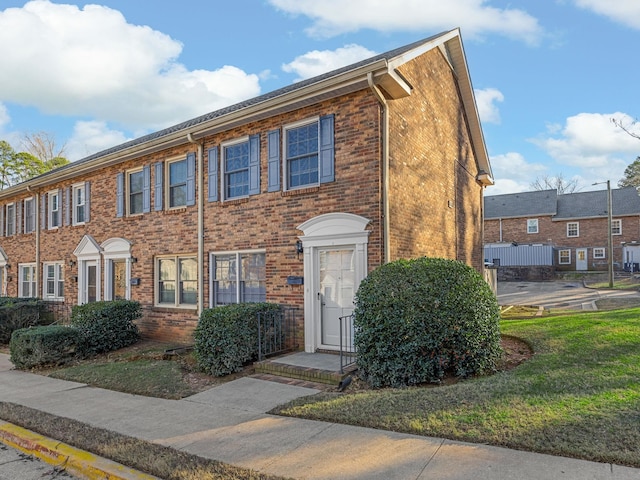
{"x": 15, "y": 465}
{"x": 557, "y": 294}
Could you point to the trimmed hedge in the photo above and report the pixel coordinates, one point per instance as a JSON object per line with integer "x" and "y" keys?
{"x": 419, "y": 320}
{"x": 48, "y": 345}
{"x": 227, "y": 337}
{"x": 17, "y": 313}
{"x": 106, "y": 326}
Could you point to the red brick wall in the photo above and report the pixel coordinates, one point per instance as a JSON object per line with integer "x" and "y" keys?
{"x": 435, "y": 206}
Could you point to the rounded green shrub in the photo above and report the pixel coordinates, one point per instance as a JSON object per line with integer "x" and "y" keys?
{"x": 48, "y": 345}
{"x": 106, "y": 326}
{"x": 227, "y": 337}
{"x": 419, "y": 320}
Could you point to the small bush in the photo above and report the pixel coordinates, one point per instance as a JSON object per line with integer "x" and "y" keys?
{"x": 17, "y": 313}
{"x": 227, "y": 337}
{"x": 39, "y": 346}
{"x": 106, "y": 326}
{"x": 419, "y": 320}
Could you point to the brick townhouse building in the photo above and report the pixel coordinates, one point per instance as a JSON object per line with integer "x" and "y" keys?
{"x": 576, "y": 225}
{"x": 290, "y": 197}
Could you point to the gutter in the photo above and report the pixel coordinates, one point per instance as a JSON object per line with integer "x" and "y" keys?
{"x": 385, "y": 165}
{"x": 200, "y": 229}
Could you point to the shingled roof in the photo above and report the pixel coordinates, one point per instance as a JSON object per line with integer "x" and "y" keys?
{"x": 526, "y": 204}
{"x": 625, "y": 201}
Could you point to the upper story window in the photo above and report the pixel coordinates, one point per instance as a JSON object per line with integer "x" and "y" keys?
{"x": 236, "y": 169}
{"x": 177, "y": 183}
{"x": 135, "y": 189}
{"x": 177, "y": 282}
{"x": 53, "y": 281}
{"x": 53, "y": 209}
{"x": 573, "y": 229}
{"x": 29, "y": 215}
{"x": 10, "y": 219}
{"x": 309, "y": 153}
{"x": 616, "y": 227}
{"x": 532, "y": 225}
{"x": 238, "y": 277}
{"x": 80, "y": 203}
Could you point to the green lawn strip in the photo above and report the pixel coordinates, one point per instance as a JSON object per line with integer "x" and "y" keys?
{"x": 151, "y": 458}
{"x": 578, "y": 396}
{"x": 156, "y": 378}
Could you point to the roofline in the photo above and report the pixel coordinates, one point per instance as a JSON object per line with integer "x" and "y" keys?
{"x": 511, "y": 217}
{"x": 356, "y": 78}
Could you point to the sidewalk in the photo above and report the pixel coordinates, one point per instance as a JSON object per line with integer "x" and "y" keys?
{"x": 228, "y": 423}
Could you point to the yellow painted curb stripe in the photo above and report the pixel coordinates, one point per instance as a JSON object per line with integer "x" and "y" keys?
{"x": 75, "y": 461}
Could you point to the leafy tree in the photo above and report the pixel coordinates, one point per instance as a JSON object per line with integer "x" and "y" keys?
{"x": 40, "y": 157}
{"x": 558, "y": 183}
{"x": 631, "y": 175}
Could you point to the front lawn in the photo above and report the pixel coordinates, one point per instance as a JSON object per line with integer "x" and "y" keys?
{"x": 578, "y": 396}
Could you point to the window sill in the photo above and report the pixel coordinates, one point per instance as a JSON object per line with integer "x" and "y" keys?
{"x": 301, "y": 191}
{"x": 235, "y": 201}
{"x": 164, "y": 307}
{"x": 175, "y": 211}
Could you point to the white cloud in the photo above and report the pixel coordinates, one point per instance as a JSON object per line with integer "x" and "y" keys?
{"x": 334, "y": 17}
{"x": 90, "y": 137}
{"x": 624, "y": 12}
{"x": 512, "y": 173}
{"x": 318, "y": 62}
{"x": 486, "y": 100}
{"x": 65, "y": 60}
{"x": 592, "y": 140}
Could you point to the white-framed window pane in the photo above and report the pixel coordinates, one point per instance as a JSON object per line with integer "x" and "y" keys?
{"x": 302, "y": 155}
{"x": 225, "y": 279}
{"x": 253, "y": 270}
{"x": 178, "y": 183}
{"x": 27, "y": 279}
{"x": 167, "y": 281}
{"x": 239, "y": 278}
{"x": 136, "y": 187}
{"x": 616, "y": 227}
{"x": 29, "y": 216}
{"x": 11, "y": 219}
{"x": 59, "y": 281}
{"x": 78, "y": 204}
{"x": 236, "y": 170}
{"x": 188, "y": 281}
{"x": 54, "y": 210}
{"x": 564, "y": 257}
{"x": 532, "y": 225}
{"x": 573, "y": 229}
{"x": 598, "y": 253}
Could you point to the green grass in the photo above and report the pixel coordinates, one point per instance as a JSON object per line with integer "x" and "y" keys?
{"x": 155, "y": 378}
{"x": 578, "y": 396}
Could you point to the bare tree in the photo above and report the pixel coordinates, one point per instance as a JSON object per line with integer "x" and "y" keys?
{"x": 626, "y": 128}
{"x": 42, "y": 145}
{"x": 558, "y": 183}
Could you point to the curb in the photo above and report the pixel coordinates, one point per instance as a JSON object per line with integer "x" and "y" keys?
{"x": 75, "y": 461}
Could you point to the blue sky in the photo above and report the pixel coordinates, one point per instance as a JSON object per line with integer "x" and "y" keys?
{"x": 549, "y": 75}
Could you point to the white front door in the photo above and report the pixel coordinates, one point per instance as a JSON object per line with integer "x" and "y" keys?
{"x": 90, "y": 282}
{"x": 337, "y": 288}
{"x": 581, "y": 259}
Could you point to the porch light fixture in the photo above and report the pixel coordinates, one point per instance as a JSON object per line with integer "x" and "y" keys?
{"x": 72, "y": 263}
{"x": 134, "y": 260}
{"x": 610, "y": 229}
{"x": 299, "y": 248}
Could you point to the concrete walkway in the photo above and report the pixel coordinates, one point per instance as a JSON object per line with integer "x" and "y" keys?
{"x": 229, "y": 423}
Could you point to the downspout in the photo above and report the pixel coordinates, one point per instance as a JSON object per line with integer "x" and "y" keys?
{"x": 200, "y": 201}
{"x": 385, "y": 165}
{"x": 500, "y": 229}
{"x": 36, "y": 205}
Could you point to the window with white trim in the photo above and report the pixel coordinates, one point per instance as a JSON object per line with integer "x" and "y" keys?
{"x": 79, "y": 212}
{"x": 10, "y": 219}
{"x": 53, "y": 281}
{"x": 564, "y": 257}
{"x": 177, "y": 183}
{"x": 573, "y": 229}
{"x": 532, "y": 225}
{"x": 135, "y": 191}
{"x": 29, "y": 215}
{"x": 235, "y": 168}
{"x": 177, "y": 281}
{"x": 238, "y": 277}
{"x": 598, "y": 253}
{"x": 616, "y": 227}
{"x": 27, "y": 280}
{"x": 53, "y": 209}
{"x": 301, "y": 155}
